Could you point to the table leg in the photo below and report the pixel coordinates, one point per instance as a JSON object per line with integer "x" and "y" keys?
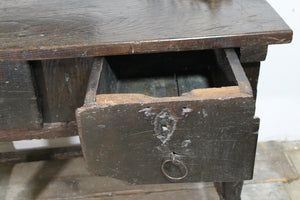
{"x": 229, "y": 190}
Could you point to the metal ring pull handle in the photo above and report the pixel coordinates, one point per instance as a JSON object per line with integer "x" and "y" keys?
{"x": 175, "y": 162}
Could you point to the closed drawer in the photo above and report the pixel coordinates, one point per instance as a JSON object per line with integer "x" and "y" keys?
{"x": 179, "y": 117}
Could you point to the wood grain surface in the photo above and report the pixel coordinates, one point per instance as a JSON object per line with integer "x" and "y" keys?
{"x": 252, "y": 72}
{"x": 61, "y": 86}
{"x": 40, "y": 29}
{"x": 48, "y": 131}
{"x": 211, "y": 130}
{"x": 214, "y": 139}
{"x": 18, "y": 102}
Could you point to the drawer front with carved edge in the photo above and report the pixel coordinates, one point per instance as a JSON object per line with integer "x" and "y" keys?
{"x": 179, "y": 117}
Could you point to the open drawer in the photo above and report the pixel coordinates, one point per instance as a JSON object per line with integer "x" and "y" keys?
{"x": 155, "y": 118}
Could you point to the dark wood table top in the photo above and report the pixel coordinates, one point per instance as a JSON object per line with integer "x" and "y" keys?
{"x": 42, "y": 29}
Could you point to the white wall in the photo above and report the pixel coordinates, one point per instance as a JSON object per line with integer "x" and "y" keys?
{"x": 278, "y": 103}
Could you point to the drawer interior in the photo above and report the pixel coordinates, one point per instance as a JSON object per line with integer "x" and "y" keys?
{"x": 165, "y": 74}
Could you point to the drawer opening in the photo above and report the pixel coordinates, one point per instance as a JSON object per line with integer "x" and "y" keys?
{"x": 125, "y": 133}
{"x": 165, "y": 74}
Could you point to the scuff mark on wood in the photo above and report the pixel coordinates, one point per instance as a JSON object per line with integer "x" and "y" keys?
{"x": 186, "y": 110}
{"x": 164, "y": 125}
{"x": 147, "y": 111}
{"x": 186, "y": 143}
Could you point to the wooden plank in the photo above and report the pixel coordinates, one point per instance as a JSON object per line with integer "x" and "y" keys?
{"x": 33, "y": 30}
{"x": 186, "y": 83}
{"x": 213, "y": 137}
{"x": 252, "y": 72}
{"x": 255, "y": 53}
{"x": 108, "y": 80}
{"x": 155, "y": 86}
{"x": 194, "y": 95}
{"x": 62, "y": 86}
{"x": 41, "y": 154}
{"x": 18, "y": 102}
{"x": 93, "y": 82}
{"x": 238, "y": 71}
{"x": 49, "y": 131}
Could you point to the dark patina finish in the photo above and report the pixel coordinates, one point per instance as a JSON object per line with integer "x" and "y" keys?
{"x": 33, "y": 30}
{"x": 210, "y": 130}
{"x": 156, "y": 73}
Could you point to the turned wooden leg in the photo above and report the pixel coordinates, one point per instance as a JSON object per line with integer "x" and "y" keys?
{"x": 229, "y": 190}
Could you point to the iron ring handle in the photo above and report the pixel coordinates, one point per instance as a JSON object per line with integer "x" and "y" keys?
{"x": 176, "y": 162}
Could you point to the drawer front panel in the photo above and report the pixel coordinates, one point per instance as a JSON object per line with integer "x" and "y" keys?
{"x": 213, "y": 138}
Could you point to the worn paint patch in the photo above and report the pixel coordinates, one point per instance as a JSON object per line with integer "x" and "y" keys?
{"x": 147, "y": 111}
{"x": 204, "y": 113}
{"x": 185, "y": 143}
{"x": 101, "y": 125}
{"x": 164, "y": 125}
{"x": 186, "y": 110}
{"x": 90, "y": 117}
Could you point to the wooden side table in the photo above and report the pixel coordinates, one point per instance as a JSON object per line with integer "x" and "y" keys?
{"x": 164, "y": 90}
